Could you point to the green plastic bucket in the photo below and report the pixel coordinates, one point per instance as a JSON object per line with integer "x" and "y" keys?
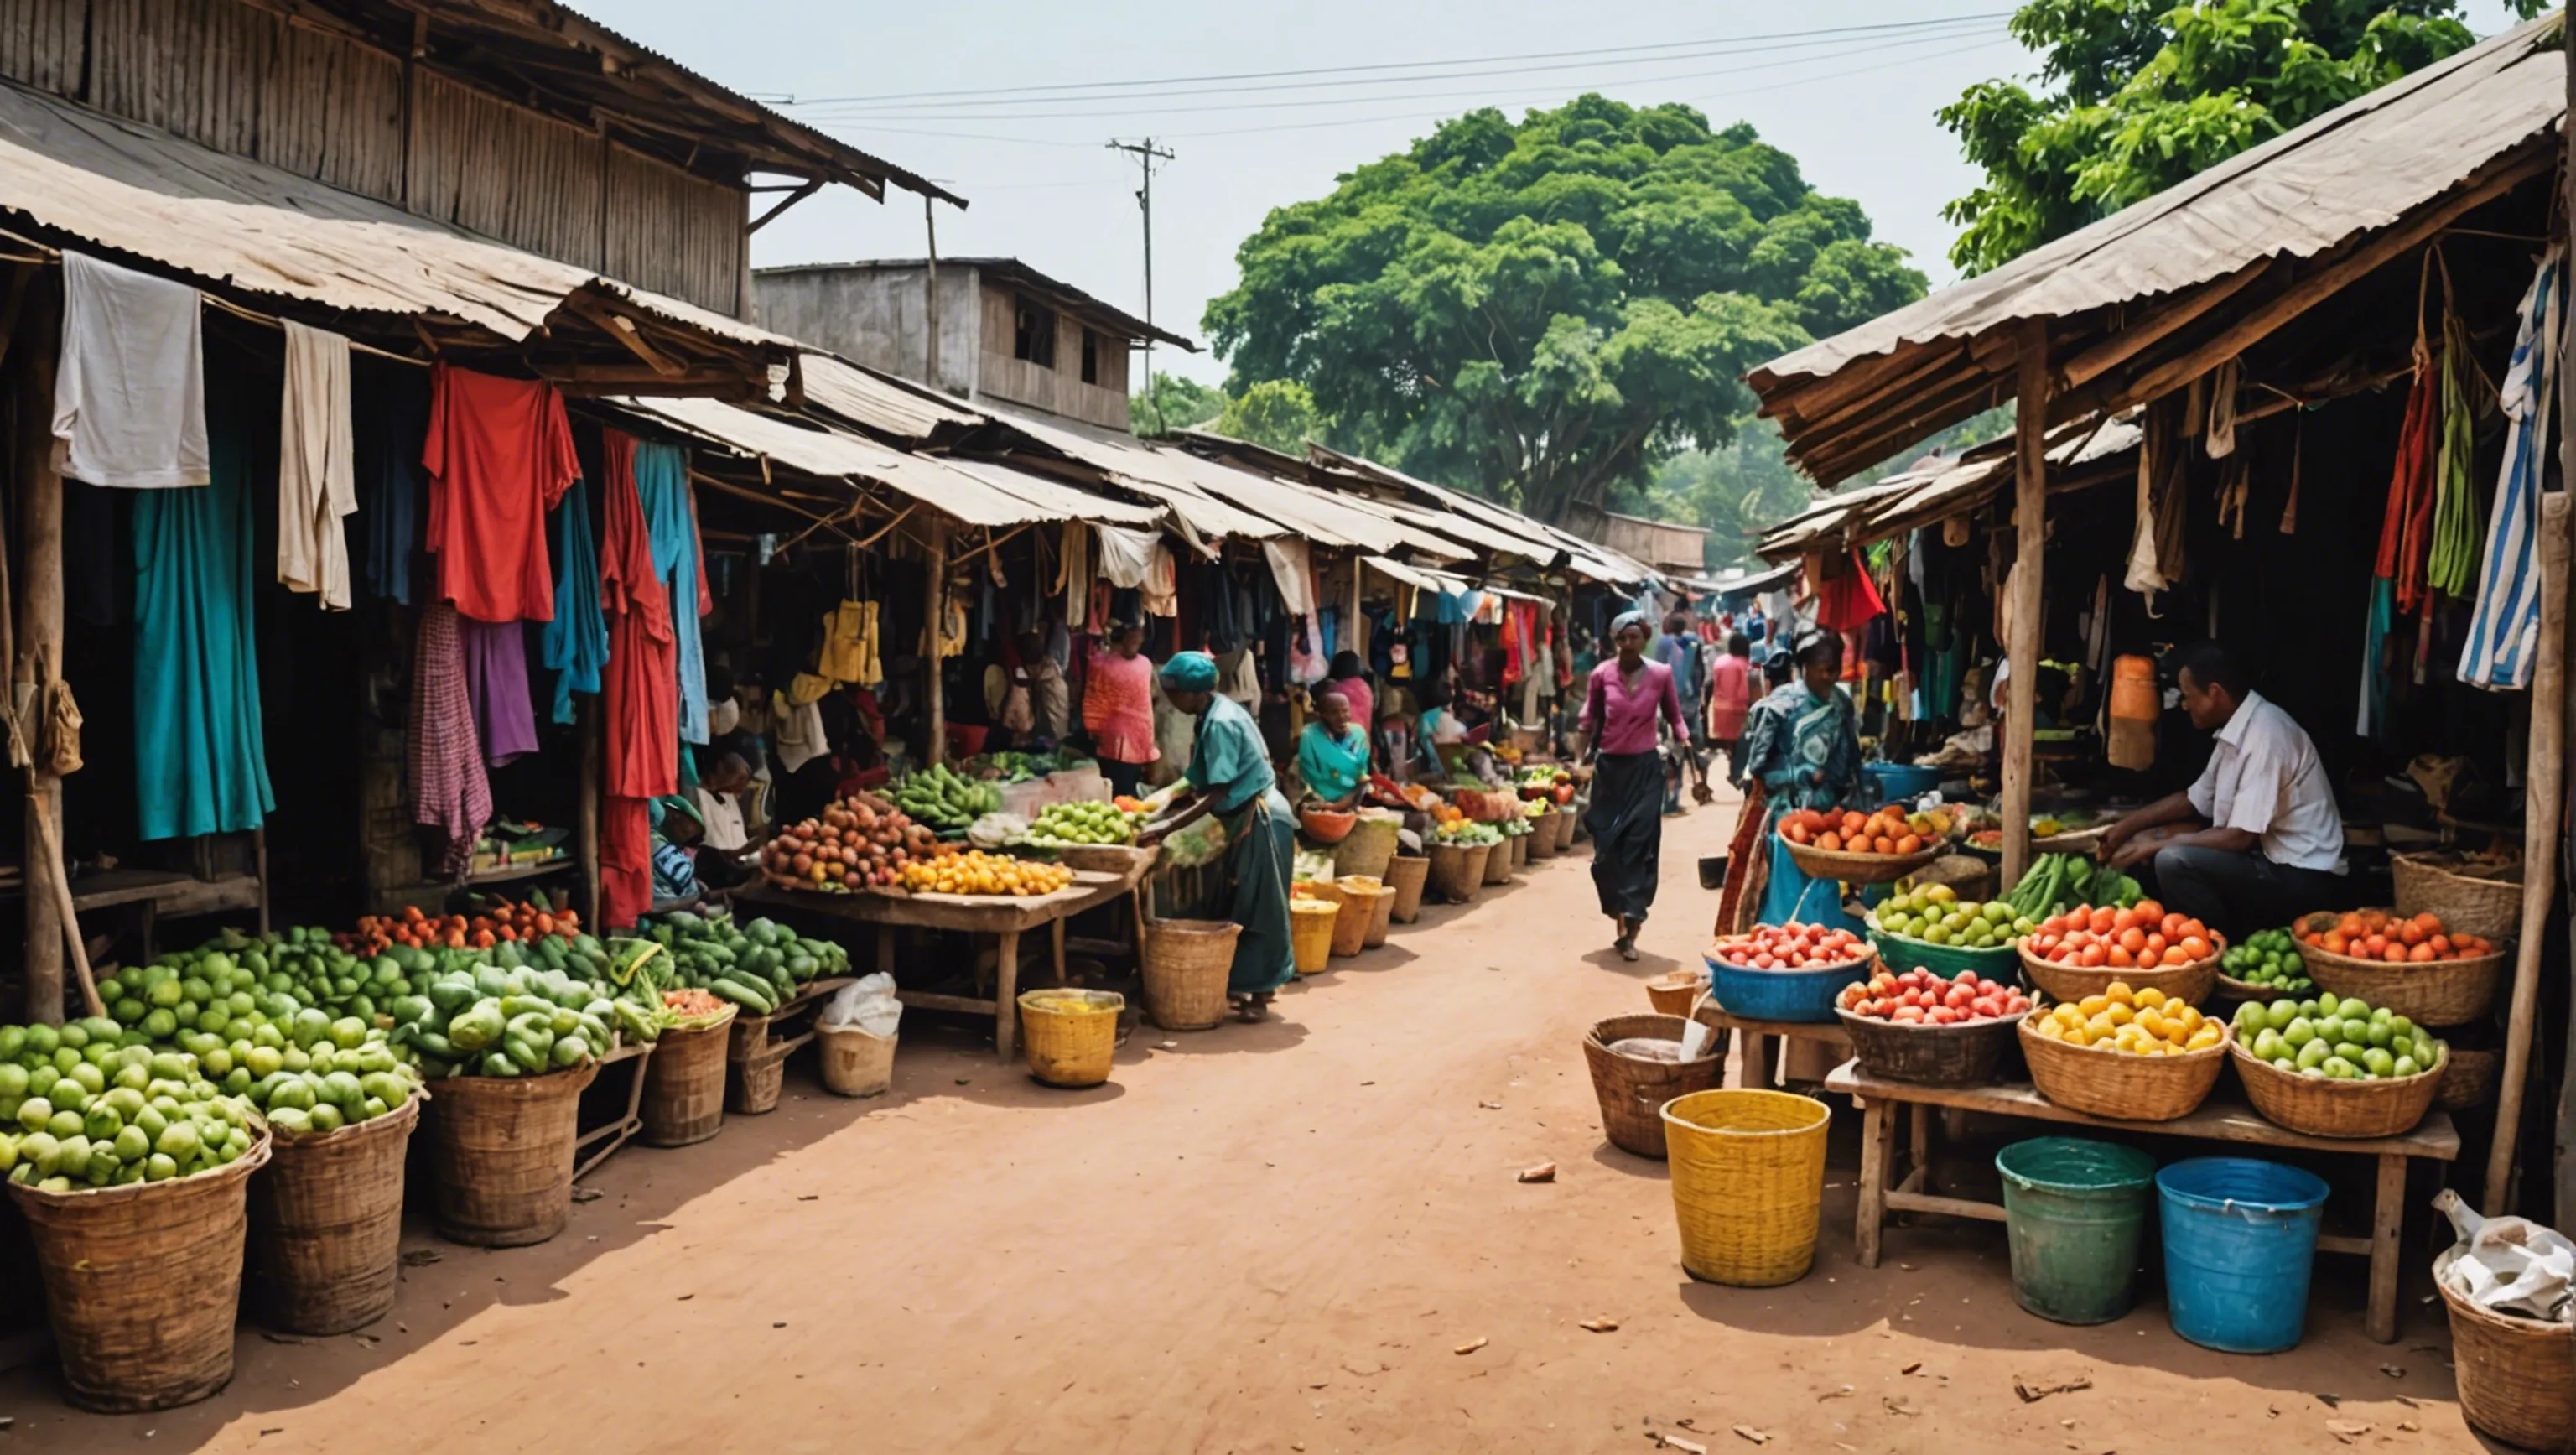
{"x": 2074, "y": 1211}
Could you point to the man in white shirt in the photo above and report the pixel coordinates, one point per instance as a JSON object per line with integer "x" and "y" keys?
{"x": 2272, "y": 847}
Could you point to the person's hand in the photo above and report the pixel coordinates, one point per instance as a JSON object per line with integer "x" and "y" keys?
{"x": 2128, "y": 854}
{"x": 2113, "y": 837}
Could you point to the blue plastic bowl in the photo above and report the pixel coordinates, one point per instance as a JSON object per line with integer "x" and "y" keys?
{"x": 1901, "y": 780}
{"x": 1781, "y": 995}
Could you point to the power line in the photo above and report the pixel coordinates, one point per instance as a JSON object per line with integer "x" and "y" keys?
{"x": 1068, "y": 89}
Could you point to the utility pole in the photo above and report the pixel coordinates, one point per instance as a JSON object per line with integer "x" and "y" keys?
{"x": 1146, "y": 154}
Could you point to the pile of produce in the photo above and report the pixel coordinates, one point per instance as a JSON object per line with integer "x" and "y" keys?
{"x": 324, "y": 1086}
{"x": 1467, "y": 833}
{"x": 944, "y": 799}
{"x": 1546, "y": 784}
{"x": 233, "y": 998}
{"x": 2271, "y": 960}
{"x": 2144, "y": 937}
{"x": 1792, "y": 946}
{"x": 505, "y": 920}
{"x": 757, "y": 965}
{"x": 1392, "y": 794}
{"x": 2375, "y": 934}
{"x": 1936, "y": 915}
{"x": 858, "y": 843}
{"x": 2134, "y": 1023}
{"x": 82, "y": 1107}
{"x": 997, "y": 831}
{"x": 1919, "y": 997}
{"x": 494, "y": 1022}
{"x": 976, "y": 872}
{"x": 1887, "y": 831}
{"x": 2336, "y": 1036}
{"x": 1011, "y": 767}
{"x": 2058, "y": 882}
{"x": 1073, "y": 825}
{"x": 692, "y": 1009}
{"x": 1517, "y": 826}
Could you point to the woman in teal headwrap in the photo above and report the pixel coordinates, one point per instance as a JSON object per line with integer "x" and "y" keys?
{"x": 1333, "y": 753}
{"x": 1803, "y": 743}
{"x": 1231, "y": 774}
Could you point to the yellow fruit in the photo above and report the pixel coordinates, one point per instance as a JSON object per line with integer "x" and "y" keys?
{"x": 2120, "y": 993}
{"x": 2150, "y": 997}
{"x": 2093, "y": 1005}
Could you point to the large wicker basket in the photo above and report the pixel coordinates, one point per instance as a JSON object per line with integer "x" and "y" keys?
{"x": 2434, "y": 993}
{"x": 326, "y": 1225}
{"x": 2517, "y": 1376}
{"x": 1852, "y": 868}
{"x": 2469, "y": 1078}
{"x": 1632, "y": 1092}
{"x": 1185, "y": 964}
{"x": 2118, "y": 1086}
{"x": 2190, "y": 984}
{"x": 1960, "y": 1055}
{"x": 2321, "y": 1106}
{"x": 1457, "y": 871}
{"x": 2489, "y": 907}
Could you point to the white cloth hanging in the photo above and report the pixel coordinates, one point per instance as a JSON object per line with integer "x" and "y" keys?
{"x": 1126, "y": 555}
{"x": 1073, "y": 576}
{"x": 317, "y": 475}
{"x": 130, "y": 388}
{"x": 1291, "y": 567}
{"x": 2221, "y": 439}
{"x": 800, "y": 733}
{"x": 1161, "y": 592}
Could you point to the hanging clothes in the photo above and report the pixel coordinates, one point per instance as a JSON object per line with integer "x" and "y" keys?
{"x": 2156, "y": 550}
{"x": 130, "y": 382}
{"x": 1850, "y": 601}
{"x": 200, "y": 746}
{"x": 2405, "y": 527}
{"x": 1292, "y": 567}
{"x": 849, "y": 650}
{"x": 1126, "y": 555}
{"x": 1161, "y": 587}
{"x": 671, "y": 517}
{"x": 449, "y": 789}
{"x": 496, "y": 680}
{"x": 574, "y": 645}
{"x": 388, "y": 418}
{"x": 317, "y": 467}
{"x": 1073, "y": 573}
{"x": 499, "y": 455}
{"x": 2504, "y": 625}
{"x": 640, "y": 690}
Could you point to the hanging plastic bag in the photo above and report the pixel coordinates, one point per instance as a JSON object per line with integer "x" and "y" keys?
{"x": 2507, "y": 1265}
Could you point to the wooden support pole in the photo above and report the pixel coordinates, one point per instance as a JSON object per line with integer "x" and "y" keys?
{"x": 935, "y": 603}
{"x": 2030, "y": 536}
{"x": 40, "y": 640}
{"x": 2544, "y": 790}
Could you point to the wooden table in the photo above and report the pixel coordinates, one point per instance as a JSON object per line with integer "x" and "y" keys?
{"x": 2223, "y": 1118}
{"x": 1001, "y": 916}
{"x": 1758, "y": 1038}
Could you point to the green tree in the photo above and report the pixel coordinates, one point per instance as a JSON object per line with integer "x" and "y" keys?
{"x": 1173, "y": 403}
{"x": 1279, "y": 413}
{"x": 1543, "y": 311}
{"x": 2135, "y": 95}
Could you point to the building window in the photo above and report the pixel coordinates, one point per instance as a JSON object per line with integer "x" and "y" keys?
{"x": 1033, "y": 334}
{"x": 1090, "y": 357}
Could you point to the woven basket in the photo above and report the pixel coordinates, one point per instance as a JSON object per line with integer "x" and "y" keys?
{"x": 2190, "y": 984}
{"x": 1407, "y": 875}
{"x": 142, "y": 1283}
{"x": 1542, "y": 835}
{"x": 501, "y": 1155}
{"x": 755, "y": 1079}
{"x": 1375, "y": 896}
{"x": 1852, "y": 868}
{"x": 2490, "y": 908}
{"x": 1457, "y": 871}
{"x": 2517, "y": 1377}
{"x": 684, "y": 1085}
{"x": 1963, "y": 1055}
{"x": 1070, "y": 1037}
{"x": 2122, "y": 1087}
{"x": 853, "y": 1061}
{"x": 1633, "y": 1092}
{"x": 2435, "y": 993}
{"x": 1498, "y": 862}
{"x": 1371, "y": 843}
{"x": 1748, "y": 1176}
{"x": 1184, "y": 964}
{"x": 326, "y": 1225}
{"x": 2321, "y": 1106}
{"x": 2469, "y": 1078}
{"x": 1676, "y": 993}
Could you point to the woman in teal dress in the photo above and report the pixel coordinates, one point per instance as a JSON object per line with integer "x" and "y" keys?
{"x": 1803, "y": 743}
{"x": 1333, "y": 753}
{"x": 1231, "y": 776}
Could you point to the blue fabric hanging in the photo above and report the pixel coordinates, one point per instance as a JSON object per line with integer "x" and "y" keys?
{"x": 200, "y": 755}
{"x": 2504, "y": 627}
{"x": 662, "y": 483}
{"x": 574, "y": 645}
{"x": 392, "y": 409}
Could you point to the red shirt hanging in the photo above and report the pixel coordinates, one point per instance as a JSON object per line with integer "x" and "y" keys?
{"x": 499, "y": 455}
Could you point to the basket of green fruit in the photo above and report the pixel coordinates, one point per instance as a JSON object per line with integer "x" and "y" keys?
{"x": 1931, "y": 928}
{"x": 2335, "y": 1067}
{"x": 2267, "y": 967}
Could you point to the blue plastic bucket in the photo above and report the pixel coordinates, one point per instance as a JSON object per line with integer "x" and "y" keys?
{"x": 2240, "y": 1237}
{"x": 1901, "y": 780}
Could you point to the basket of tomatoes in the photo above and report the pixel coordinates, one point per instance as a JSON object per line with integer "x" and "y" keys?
{"x": 1788, "y": 972}
{"x": 2414, "y": 965}
{"x": 2081, "y": 952}
{"x": 1857, "y": 848}
{"x": 1925, "y": 1028}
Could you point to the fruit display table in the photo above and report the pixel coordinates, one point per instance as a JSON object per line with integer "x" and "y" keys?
{"x": 1760, "y": 1038}
{"x": 2223, "y": 1118}
{"x": 1003, "y": 917}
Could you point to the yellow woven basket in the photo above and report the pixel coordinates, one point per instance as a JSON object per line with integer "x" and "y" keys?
{"x": 1070, "y": 1036}
{"x": 1310, "y": 929}
{"x": 1748, "y": 1174}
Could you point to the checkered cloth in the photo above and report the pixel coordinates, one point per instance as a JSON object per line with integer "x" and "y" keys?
{"x": 449, "y": 789}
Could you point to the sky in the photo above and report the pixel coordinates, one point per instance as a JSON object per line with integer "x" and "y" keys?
{"x": 1849, "y": 87}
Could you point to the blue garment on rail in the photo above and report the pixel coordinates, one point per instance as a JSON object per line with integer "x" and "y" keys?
{"x": 392, "y": 410}
{"x": 662, "y": 483}
{"x": 200, "y": 754}
{"x": 2504, "y": 625}
{"x": 574, "y": 646}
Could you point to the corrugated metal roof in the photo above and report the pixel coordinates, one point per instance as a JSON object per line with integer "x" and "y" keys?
{"x": 1905, "y": 502}
{"x": 1410, "y": 575}
{"x": 913, "y": 415}
{"x": 1147, "y": 472}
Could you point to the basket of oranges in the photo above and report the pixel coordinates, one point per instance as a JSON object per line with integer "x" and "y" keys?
{"x": 1857, "y": 848}
{"x": 2128, "y": 1054}
{"x": 2085, "y": 950}
{"x": 2413, "y": 965}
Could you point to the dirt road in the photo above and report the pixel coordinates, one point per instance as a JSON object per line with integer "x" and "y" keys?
{"x": 1266, "y": 1238}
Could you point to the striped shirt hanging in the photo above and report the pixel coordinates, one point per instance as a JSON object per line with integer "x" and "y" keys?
{"x": 2504, "y": 627}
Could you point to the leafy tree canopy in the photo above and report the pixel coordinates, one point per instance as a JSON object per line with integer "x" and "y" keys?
{"x": 2133, "y": 96}
{"x": 1173, "y": 403}
{"x": 1545, "y": 310}
{"x": 1279, "y": 413}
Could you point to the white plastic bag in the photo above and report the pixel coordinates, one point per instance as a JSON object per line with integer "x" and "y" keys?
{"x": 2507, "y": 1265}
{"x": 867, "y": 1002}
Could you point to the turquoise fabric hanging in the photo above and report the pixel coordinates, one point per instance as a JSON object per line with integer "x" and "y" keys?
{"x": 662, "y": 483}
{"x": 574, "y": 645}
{"x": 200, "y": 754}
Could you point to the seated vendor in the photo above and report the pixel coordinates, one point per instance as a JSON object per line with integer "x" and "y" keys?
{"x": 1333, "y": 752}
{"x": 2272, "y": 846}
{"x": 676, "y": 832}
